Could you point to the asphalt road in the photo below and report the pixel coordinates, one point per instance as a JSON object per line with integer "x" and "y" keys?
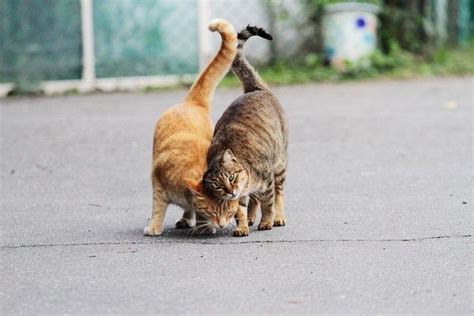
{"x": 378, "y": 200}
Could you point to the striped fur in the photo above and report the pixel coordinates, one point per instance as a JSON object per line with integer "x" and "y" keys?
{"x": 181, "y": 140}
{"x": 241, "y": 67}
{"x": 248, "y": 154}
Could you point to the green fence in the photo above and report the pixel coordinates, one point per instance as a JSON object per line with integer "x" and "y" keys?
{"x": 145, "y": 37}
{"x": 40, "y": 40}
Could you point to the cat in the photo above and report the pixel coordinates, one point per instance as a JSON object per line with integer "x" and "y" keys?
{"x": 181, "y": 140}
{"x": 247, "y": 158}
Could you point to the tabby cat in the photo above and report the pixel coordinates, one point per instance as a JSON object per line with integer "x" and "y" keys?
{"x": 248, "y": 156}
{"x": 181, "y": 141}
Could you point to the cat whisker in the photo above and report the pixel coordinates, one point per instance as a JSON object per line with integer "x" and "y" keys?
{"x": 195, "y": 228}
{"x": 201, "y": 227}
{"x": 202, "y": 222}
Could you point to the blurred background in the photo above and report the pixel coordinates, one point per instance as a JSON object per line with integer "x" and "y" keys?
{"x": 379, "y": 187}
{"x": 81, "y": 45}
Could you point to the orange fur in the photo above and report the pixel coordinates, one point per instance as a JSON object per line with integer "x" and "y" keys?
{"x": 183, "y": 135}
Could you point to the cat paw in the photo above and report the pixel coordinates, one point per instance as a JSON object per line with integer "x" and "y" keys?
{"x": 150, "y": 231}
{"x": 184, "y": 223}
{"x": 241, "y": 232}
{"x": 205, "y": 231}
{"x": 279, "y": 222}
{"x": 251, "y": 221}
{"x": 265, "y": 226}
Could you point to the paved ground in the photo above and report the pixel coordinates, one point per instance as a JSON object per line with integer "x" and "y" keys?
{"x": 378, "y": 199}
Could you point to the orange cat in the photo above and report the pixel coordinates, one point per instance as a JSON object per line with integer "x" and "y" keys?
{"x": 181, "y": 140}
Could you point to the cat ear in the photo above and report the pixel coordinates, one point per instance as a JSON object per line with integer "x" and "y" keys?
{"x": 194, "y": 185}
{"x": 228, "y": 156}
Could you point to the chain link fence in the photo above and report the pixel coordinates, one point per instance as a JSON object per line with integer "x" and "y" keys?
{"x": 287, "y": 20}
{"x": 145, "y": 37}
{"x": 43, "y": 40}
{"x": 40, "y": 40}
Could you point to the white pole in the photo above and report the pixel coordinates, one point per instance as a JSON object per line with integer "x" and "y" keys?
{"x": 88, "y": 58}
{"x": 442, "y": 21}
{"x": 204, "y": 44}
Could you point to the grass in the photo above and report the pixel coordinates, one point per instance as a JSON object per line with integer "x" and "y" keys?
{"x": 399, "y": 64}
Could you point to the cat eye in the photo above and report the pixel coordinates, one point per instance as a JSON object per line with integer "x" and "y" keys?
{"x": 233, "y": 176}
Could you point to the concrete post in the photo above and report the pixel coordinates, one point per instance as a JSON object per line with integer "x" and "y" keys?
{"x": 88, "y": 57}
{"x": 203, "y": 18}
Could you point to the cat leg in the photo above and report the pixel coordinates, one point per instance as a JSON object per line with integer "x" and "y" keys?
{"x": 279, "y": 205}
{"x": 187, "y": 221}
{"x": 252, "y": 210}
{"x": 267, "y": 199}
{"x": 242, "y": 228}
{"x": 160, "y": 203}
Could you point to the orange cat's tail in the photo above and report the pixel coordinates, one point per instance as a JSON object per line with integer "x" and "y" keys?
{"x": 203, "y": 88}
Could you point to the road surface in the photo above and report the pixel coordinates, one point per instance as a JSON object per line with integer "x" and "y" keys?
{"x": 378, "y": 200}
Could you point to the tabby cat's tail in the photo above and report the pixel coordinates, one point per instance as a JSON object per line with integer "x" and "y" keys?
{"x": 203, "y": 88}
{"x": 247, "y": 75}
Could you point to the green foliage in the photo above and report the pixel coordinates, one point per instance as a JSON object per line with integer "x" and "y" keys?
{"x": 395, "y": 58}
{"x": 397, "y": 63}
{"x": 406, "y": 39}
{"x": 407, "y": 28}
{"x": 458, "y": 61}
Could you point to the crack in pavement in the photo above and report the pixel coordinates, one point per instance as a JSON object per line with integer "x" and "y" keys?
{"x": 157, "y": 241}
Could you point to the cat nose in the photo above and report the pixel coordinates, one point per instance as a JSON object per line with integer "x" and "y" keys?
{"x": 222, "y": 223}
